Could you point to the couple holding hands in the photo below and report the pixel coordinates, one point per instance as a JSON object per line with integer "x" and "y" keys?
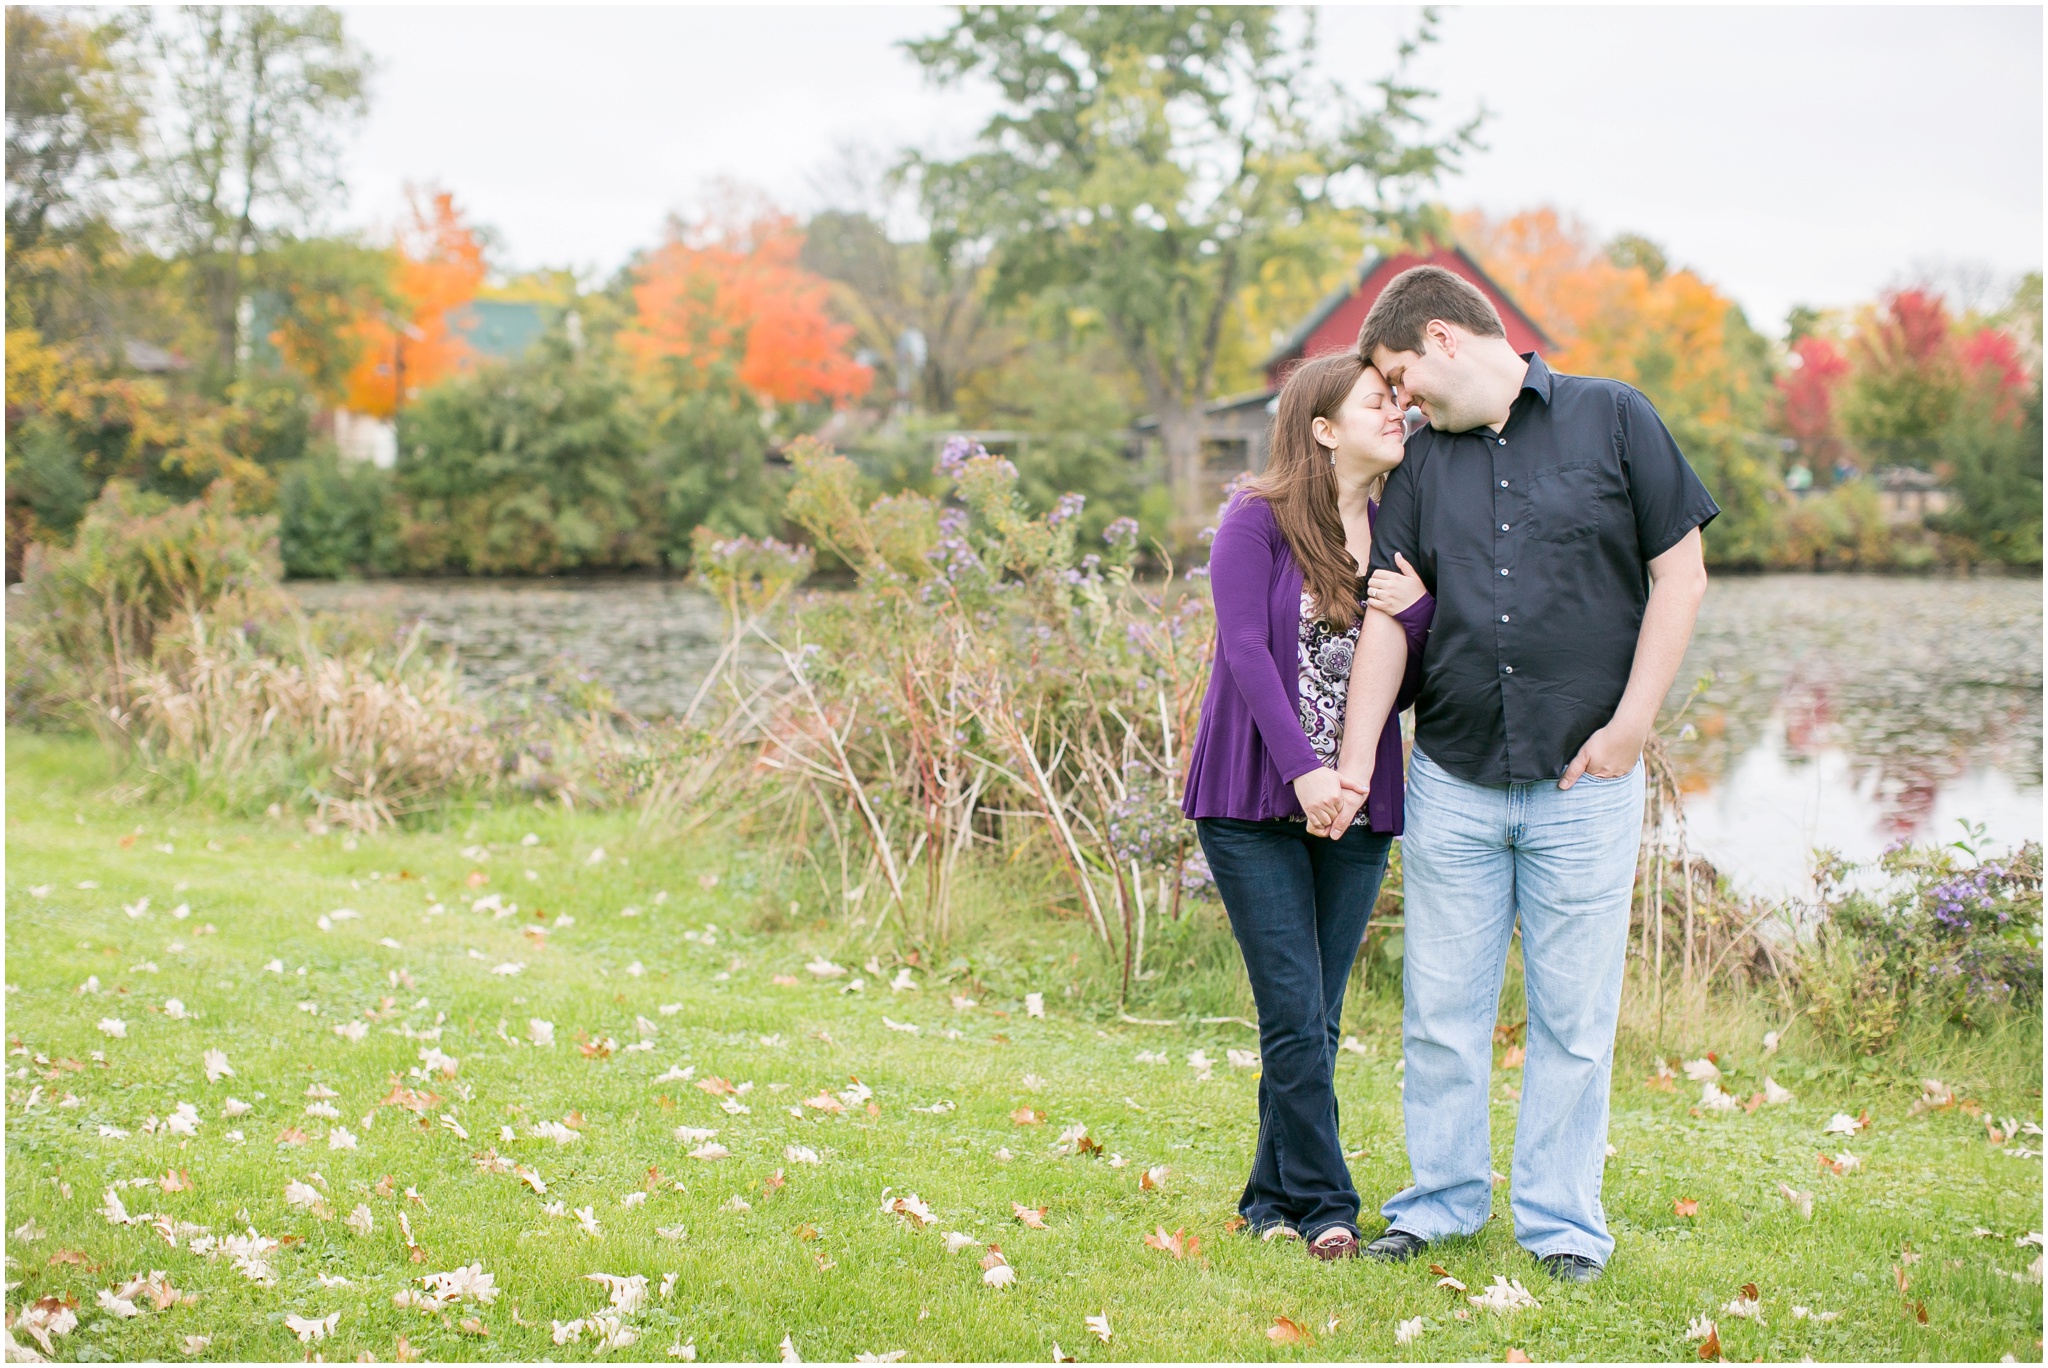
{"x": 1525, "y": 570}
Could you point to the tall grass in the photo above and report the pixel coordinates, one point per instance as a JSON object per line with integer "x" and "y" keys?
{"x": 364, "y": 741}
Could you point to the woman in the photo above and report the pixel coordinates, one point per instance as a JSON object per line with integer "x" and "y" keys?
{"x": 1262, "y": 783}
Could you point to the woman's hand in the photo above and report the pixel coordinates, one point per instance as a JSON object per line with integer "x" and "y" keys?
{"x": 1394, "y": 591}
{"x": 1323, "y": 794}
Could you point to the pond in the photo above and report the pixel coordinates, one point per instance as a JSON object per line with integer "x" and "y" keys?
{"x": 1842, "y": 710}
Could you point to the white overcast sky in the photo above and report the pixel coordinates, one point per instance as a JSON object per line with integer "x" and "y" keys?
{"x": 1791, "y": 155}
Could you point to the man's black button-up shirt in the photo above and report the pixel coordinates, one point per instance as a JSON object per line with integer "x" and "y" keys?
{"x": 1535, "y": 541}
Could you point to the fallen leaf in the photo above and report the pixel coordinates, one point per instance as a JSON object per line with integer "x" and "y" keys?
{"x": 1152, "y": 1179}
{"x": 1713, "y": 1099}
{"x": 1710, "y": 1347}
{"x": 1098, "y": 1326}
{"x": 1515, "y": 1355}
{"x": 1686, "y": 1206}
{"x": 310, "y": 1330}
{"x": 1801, "y": 1202}
{"x": 1030, "y": 1216}
{"x": 1283, "y": 1331}
{"x": 910, "y": 1206}
{"x": 1179, "y": 1244}
{"x": 1514, "y": 1058}
{"x": 1025, "y": 1116}
{"x": 1504, "y": 1295}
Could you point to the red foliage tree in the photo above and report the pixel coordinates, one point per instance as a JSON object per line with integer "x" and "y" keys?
{"x": 1806, "y": 388}
{"x": 1992, "y": 362}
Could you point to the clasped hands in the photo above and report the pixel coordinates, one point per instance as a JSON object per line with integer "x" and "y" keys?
{"x": 1330, "y": 799}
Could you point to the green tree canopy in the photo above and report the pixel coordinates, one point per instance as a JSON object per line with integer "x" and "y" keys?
{"x": 1149, "y": 160}
{"x": 247, "y": 146}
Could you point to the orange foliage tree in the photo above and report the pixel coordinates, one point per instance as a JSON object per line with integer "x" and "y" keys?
{"x": 1616, "y": 311}
{"x": 725, "y": 304}
{"x": 436, "y": 267}
{"x": 1665, "y": 332}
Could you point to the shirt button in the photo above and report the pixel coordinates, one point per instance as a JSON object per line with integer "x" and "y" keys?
{"x": 1503, "y": 570}
{"x": 1503, "y": 484}
{"x": 1503, "y": 527}
{"x": 1503, "y": 617}
{"x": 1507, "y": 669}
{"x": 1503, "y": 441}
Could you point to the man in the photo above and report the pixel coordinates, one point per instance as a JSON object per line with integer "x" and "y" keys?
{"x": 1559, "y": 527}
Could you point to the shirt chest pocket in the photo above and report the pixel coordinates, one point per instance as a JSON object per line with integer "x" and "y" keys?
{"x": 1566, "y": 502}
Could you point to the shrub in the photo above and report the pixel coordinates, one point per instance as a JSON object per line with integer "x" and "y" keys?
{"x": 1996, "y": 467}
{"x": 527, "y": 468}
{"x": 94, "y": 610}
{"x": 334, "y": 518}
{"x": 1946, "y": 935}
{"x": 988, "y": 682}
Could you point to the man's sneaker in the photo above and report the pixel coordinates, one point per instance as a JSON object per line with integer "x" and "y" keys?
{"x": 1396, "y": 1246}
{"x": 1571, "y": 1268}
{"x": 1338, "y": 1242}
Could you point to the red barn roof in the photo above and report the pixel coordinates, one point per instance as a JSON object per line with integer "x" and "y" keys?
{"x": 1334, "y": 326}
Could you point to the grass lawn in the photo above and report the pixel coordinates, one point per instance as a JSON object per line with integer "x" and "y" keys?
{"x": 619, "y": 952}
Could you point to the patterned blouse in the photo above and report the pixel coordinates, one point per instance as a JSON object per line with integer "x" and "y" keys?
{"x": 1324, "y": 682}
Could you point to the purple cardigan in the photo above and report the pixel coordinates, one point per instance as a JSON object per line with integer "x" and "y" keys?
{"x": 1249, "y": 748}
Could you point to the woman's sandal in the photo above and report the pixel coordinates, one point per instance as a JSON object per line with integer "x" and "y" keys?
{"x": 1334, "y": 1243}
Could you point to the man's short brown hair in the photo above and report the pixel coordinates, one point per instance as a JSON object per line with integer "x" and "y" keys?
{"x": 1415, "y": 297}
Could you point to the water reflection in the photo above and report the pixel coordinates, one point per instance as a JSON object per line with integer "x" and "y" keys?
{"x": 1853, "y": 711}
{"x": 1846, "y": 711}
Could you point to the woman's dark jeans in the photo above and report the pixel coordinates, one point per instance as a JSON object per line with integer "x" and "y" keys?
{"x": 1298, "y": 905}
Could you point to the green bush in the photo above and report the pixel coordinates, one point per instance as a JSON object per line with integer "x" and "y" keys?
{"x": 708, "y": 464}
{"x": 1995, "y": 470}
{"x": 46, "y": 473}
{"x": 539, "y": 465}
{"x": 334, "y": 518}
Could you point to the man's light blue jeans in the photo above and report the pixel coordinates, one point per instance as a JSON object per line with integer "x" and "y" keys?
{"x": 1475, "y": 859}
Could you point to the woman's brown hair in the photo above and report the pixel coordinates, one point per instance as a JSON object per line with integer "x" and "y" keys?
{"x": 1300, "y": 484}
